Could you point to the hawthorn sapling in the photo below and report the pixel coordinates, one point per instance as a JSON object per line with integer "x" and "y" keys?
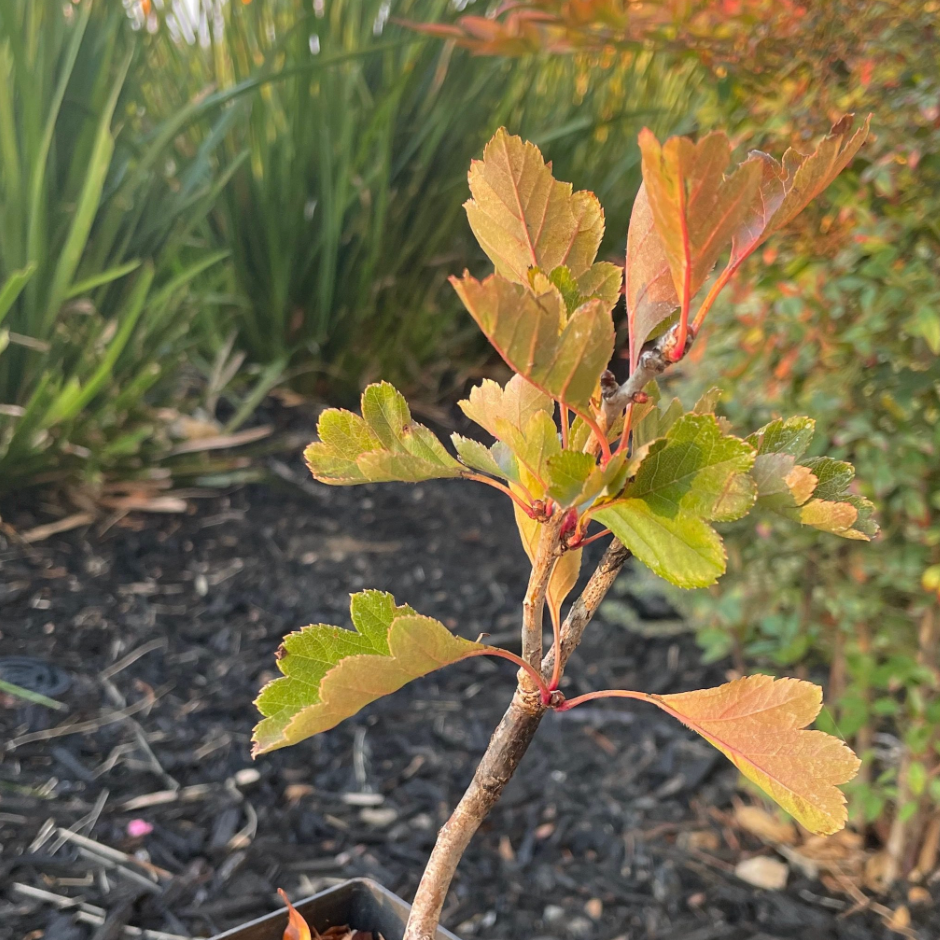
{"x": 574, "y": 448}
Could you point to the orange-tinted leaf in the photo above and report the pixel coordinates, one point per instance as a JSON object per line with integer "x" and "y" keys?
{"x": 524, "y": 218}
{"x": 695, "y": 208}
{"x": 296, "y": 928}
{"x": 651, "y": 293}
{"x": 757, "y": 722}
{"x": 331, "y": 673}
{"x": 561, "y": 355}
{"x": 786, "y": 188}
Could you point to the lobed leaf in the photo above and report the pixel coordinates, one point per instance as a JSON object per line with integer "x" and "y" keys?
{"x": 563, "y": 356}
{"x": 694, "y": 475}
{"x": 757, "y": 722}
{"x": 814, "y": 492}
{"x": 786, "y": 188}
{"x": 523, "y": 218}
{"x": 383, "y": 444}
{"x": 331, "y": 673}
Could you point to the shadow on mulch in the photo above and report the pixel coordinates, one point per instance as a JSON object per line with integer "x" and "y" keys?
{"x": 150, "y": 813}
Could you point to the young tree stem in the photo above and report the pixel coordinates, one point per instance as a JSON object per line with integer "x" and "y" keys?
{"x": 506, "y": 749}
{"x": 533, "y": 606}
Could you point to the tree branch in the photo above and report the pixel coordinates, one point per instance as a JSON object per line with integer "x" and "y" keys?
{"x": 506, "y": 749}
{"x": 653, "y": 361}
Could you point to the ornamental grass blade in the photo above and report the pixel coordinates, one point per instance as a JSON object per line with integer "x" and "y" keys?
{"x": 696, "y": 209}
{"x": 524, "y": 218}
{"x": 563, "y": 356}
{"x": 331, "y": 673}
{"x": 757, "y": 722}
{"x": 383, "y": 444}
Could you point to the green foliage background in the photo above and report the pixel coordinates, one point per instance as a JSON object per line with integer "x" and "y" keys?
{"x": 841, "y": 321}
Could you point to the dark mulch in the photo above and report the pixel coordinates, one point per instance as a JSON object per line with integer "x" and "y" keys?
{"x": 166, "y": 631}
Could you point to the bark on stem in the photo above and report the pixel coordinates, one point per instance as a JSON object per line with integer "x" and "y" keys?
{"x": 533, "y": 606}
{"x": 506, "y": 749}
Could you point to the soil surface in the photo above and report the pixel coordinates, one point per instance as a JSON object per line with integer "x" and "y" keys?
{"x": 141, "y": 803}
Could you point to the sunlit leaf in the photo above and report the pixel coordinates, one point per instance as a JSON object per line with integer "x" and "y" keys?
{"x": 498, "y": 460}
{"x": 384, "y": 444}
{"x": 696, "y": 210}
{"x": 524, "y": 218}
{"x": 694, "y": 475}
{"x": 757, "y": 723}
{"x": 813, "y": 492}
{"x": 563, "y": 356}
{"x": 650, "y": 291}
{"x": 516, "y": 403}
{"x": 787, "y": 187}
{"x": 331, "y": 673}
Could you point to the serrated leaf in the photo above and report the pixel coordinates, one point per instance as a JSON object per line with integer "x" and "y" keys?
{"x": 516, "y": 403}
{"x": 382, "y": 445}
{"x": 656, "y": 422}
{"x": 524, "y": 218}
{"x": 681, "y": 548}
{"x": 563, "y": 356}
{"x": 576, "y": 478}
{"x": 331, "y": 673}
{"x": 602, "y": 280}
{"x": 757, "y": 722}
{"x": 693, "y": 475}
{"x": 813, "y": 492}
{"x": 568, "y": 472}
{"x": 787, "y": 187}
{"x": 567, "y": 567}
{"x": 699, "y": 469}
{"x": 533, "y": 448}
{"x": 708, "y": 402}
{"x": 695, "y": 208}
{"x": 497, "y": 460}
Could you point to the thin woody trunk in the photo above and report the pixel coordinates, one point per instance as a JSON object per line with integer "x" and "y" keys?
{"x": 506, "y": 749}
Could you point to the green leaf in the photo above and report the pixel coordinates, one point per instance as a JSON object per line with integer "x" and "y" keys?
{"x": 813, "y": 492}
{"x": 533, "y": 448}
{"x": 601, "y": 281}
{"x": 694, "y": 475}
{"x": 523, "y": 218}
{"x": 568, "y": 473}
{"x": 562, "y": 356}
{"x": 682, "y": 549}
{"x": 575, "y": 480}
{"x": 697, "y": 468}
{"x": 384, "y": 444}
{"x": 498, "y": 460}
{"x": 331, "y": 673}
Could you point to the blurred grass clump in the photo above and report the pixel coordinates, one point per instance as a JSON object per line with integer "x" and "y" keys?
{"x": 98, "y": 246}
{"x": 346, "y": 219}
{"x": 258, "y": 192}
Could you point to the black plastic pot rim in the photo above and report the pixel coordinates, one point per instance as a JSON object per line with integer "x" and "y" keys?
{"x": 360, "y": 903}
